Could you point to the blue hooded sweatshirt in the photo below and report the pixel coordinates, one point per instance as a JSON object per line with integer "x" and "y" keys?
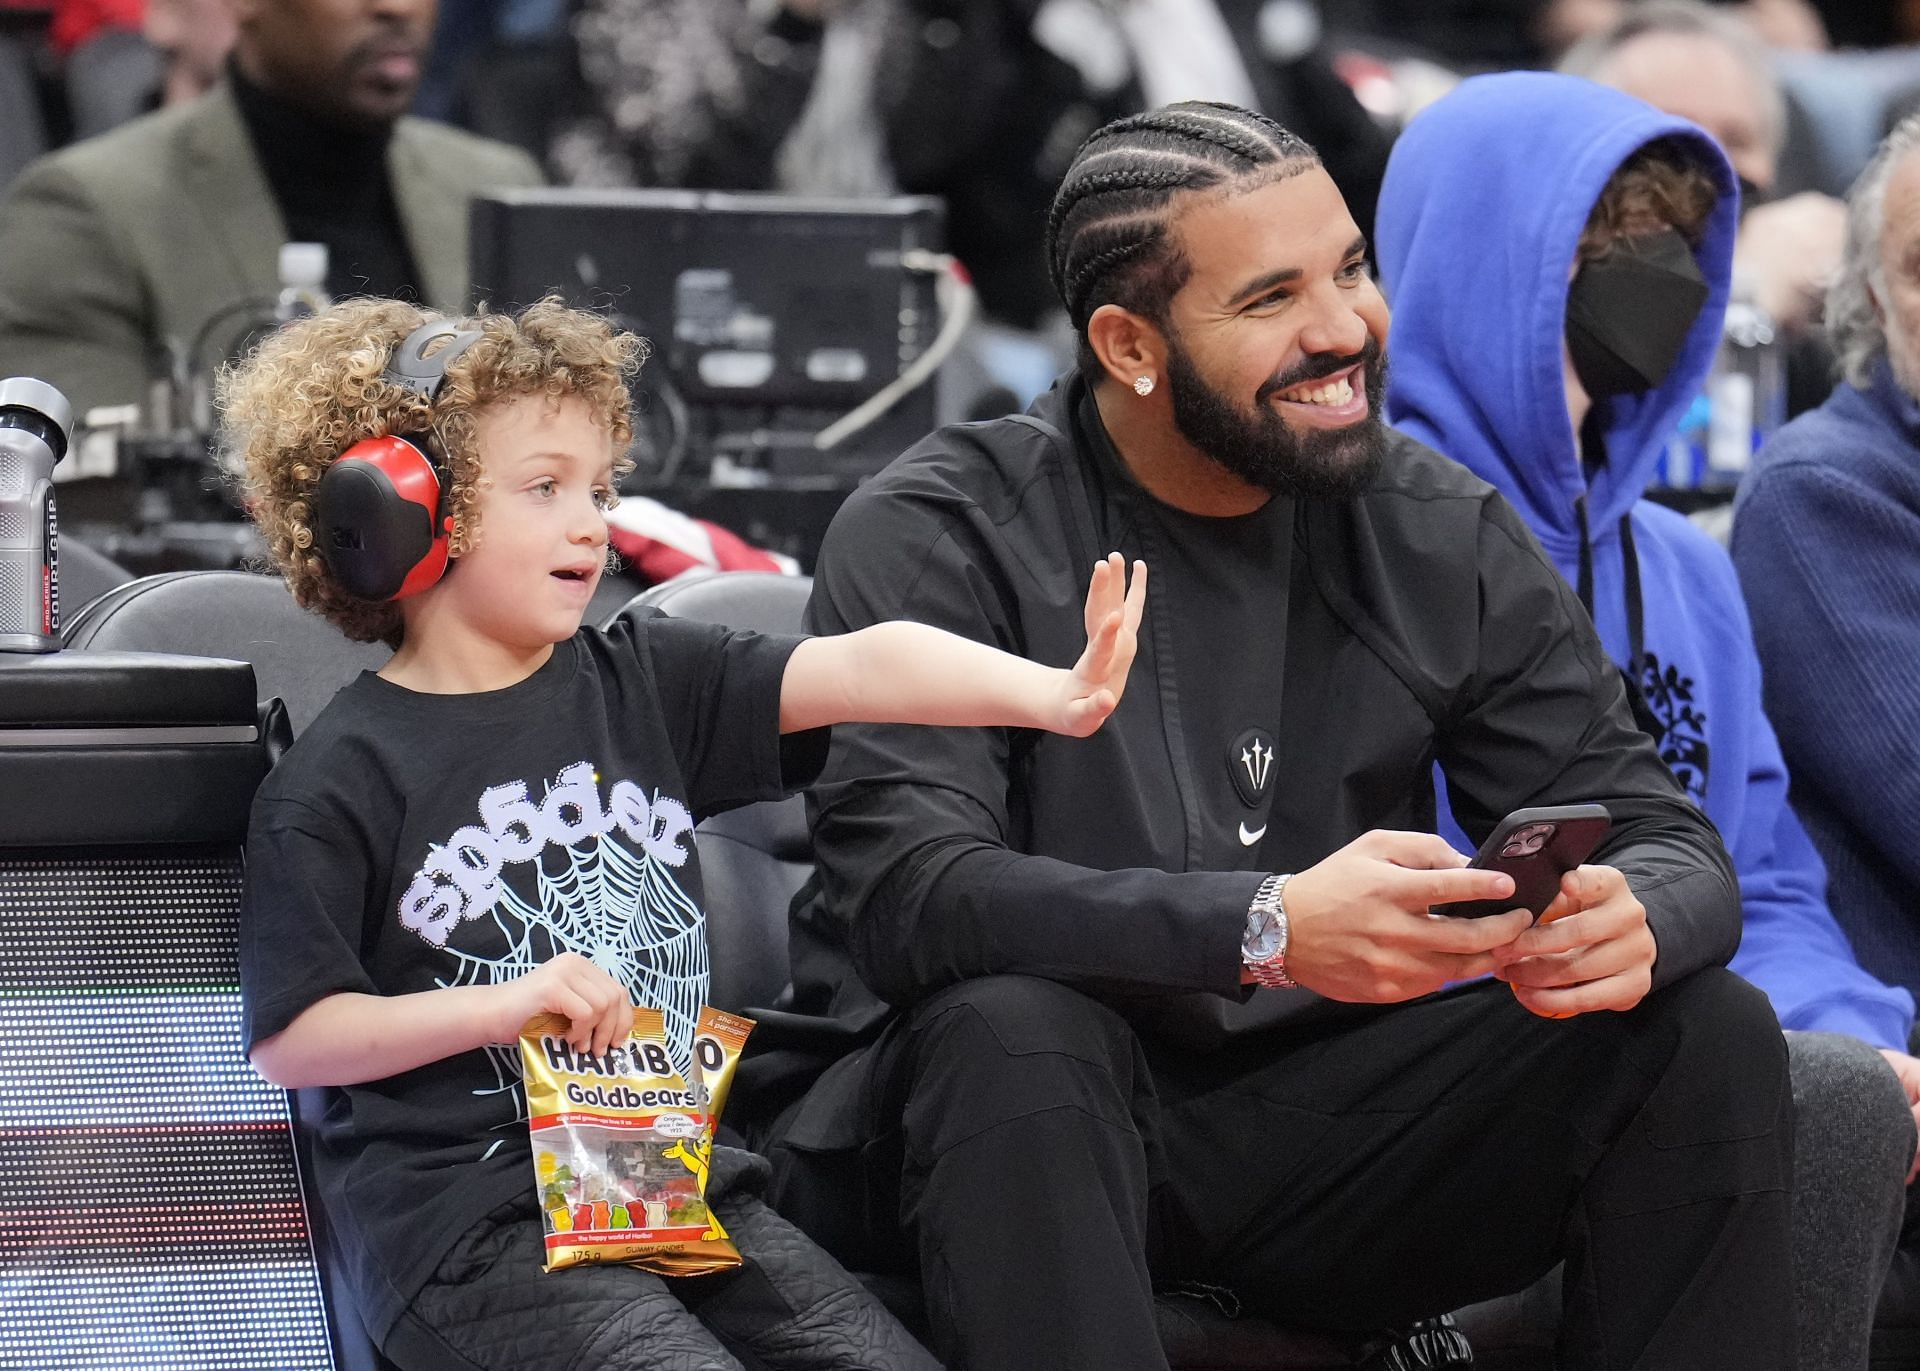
{"x": 1484, "y": 202}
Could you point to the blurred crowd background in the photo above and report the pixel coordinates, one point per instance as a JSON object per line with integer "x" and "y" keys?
{"x": 858, "y": 95}
{"x": 980, "y": 103}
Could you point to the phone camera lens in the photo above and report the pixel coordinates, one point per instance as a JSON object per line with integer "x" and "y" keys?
{"x": 1529, "y": 840}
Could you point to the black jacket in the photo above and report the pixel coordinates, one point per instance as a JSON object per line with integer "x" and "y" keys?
{"x": 1422, "y": 623}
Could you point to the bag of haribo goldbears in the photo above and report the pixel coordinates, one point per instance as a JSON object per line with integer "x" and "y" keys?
{"x": 621, "y": 1143}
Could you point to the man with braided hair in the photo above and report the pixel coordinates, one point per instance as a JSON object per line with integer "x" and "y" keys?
{"x": 1175, "y": 1000}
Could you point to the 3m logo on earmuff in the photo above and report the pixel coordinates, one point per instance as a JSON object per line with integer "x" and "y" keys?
{"x": 381, "y": 524}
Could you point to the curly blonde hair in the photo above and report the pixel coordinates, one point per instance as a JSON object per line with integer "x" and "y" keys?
{"x": 316, "y": 387}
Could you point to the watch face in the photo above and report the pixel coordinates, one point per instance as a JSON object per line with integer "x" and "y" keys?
{"x": 1263, "y": 937}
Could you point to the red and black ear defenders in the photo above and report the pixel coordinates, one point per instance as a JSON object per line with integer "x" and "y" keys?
{"x": 381, "y": 521}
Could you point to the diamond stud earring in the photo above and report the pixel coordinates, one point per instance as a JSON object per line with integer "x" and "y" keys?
{"x": 1143, "y": 385}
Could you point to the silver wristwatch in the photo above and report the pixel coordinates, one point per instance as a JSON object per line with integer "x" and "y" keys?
{"x": 1263, "y": 951}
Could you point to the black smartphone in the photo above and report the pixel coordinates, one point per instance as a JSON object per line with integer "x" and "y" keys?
{"x": 1536, "y": 847}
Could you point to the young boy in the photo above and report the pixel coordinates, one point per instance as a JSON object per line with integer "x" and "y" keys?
{"x": 498, "y": 824}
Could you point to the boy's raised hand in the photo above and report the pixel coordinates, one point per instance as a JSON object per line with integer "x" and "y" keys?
{"x": 1093, "y": 688}
{"x": 901, "y": 672}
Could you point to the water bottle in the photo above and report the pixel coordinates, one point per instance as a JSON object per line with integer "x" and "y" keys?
{"x": 303, "y": 281}
{"x": 1742, "y": 403}
{"x": 36, "y": 424}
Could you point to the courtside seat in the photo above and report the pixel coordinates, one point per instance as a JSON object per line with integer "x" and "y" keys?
{"x": 753, "y": 859}
{"x": 151, "y": 1210}
{"x": 297, "y": 657}
{"x": 298, "y": 660}
{"x": 86, "y": 575}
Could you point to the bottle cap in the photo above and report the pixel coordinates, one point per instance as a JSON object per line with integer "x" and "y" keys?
{"x": 38, "y": 398}
{"x": 303, "y": 264}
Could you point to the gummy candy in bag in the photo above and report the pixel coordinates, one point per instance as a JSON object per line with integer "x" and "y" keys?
{"x": 621, "y": 1143}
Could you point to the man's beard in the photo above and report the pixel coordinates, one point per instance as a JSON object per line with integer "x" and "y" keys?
{"x": 1261, "y": 448}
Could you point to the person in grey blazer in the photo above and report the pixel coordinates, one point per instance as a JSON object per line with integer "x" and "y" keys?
{"x": 123, "y": 253}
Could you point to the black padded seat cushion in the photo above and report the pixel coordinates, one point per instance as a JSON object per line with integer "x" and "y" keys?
{"x": 297, "y": 657}
{"x": 85, "y": 575}
{"x": 100, "y": 689}
{"x": 129, "y": 748}
{"x": 763, "y": 601}
{"x": 752, "y": 859}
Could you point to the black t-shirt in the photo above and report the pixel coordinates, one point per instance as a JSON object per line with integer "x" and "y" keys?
{"x": 412, "y": 841}
{"x": 1229, "y": 579}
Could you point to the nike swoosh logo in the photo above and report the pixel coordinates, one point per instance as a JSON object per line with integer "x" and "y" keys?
{"x": 1249, "y": 839}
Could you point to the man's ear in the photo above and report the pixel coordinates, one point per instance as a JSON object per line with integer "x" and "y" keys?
{"x": 1128, "y": 345}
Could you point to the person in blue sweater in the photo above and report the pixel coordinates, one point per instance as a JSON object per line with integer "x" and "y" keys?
{"x": 1826, "y": 537}
{"x": 1557, "y": 255}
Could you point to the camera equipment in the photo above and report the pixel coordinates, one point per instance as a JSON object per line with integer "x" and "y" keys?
{"x": 36, "y": 424}
{"x": 792, "y": 337}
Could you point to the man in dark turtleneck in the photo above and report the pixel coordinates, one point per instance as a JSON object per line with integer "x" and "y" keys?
{"x": 323, "y": 146}
{"x": 164, "y": 236}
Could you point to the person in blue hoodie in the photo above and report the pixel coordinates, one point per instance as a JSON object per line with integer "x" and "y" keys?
{"x": 1557, "y": 255}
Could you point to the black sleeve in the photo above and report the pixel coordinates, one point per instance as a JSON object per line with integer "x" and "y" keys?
{"x": 913, "y": 829}
{"x": 1546, "y": 721}
{"x": 719, "y": 690}
{"x": 303, "y": 906}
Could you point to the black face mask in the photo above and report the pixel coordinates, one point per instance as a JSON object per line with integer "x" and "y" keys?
{"x": 1629, "y": 314}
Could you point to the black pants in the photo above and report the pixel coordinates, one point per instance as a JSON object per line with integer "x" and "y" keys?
{"x": 1044, "y": 1170}
{"x": 788, "y": 1307}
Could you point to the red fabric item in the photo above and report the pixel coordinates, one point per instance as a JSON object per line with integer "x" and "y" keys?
{"x": 658, "y": 543}
{"x": 75, "y": 21}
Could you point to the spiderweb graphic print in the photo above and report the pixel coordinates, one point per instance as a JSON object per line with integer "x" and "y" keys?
{"x": 623, "y": 911}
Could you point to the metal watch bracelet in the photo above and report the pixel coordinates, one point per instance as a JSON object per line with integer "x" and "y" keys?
{"x": 1271, "y": 971}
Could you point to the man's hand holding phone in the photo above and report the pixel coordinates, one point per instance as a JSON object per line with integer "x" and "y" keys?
{"x": 1359, "y": 927}
{"x": 1591, "y": 950}
{"x": 1393, "y": 916}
